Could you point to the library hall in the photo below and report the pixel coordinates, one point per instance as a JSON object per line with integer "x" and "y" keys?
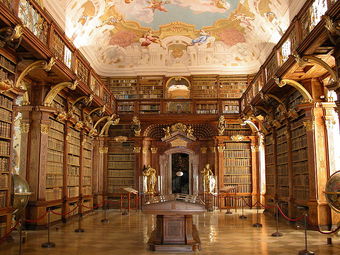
{"x": 169, "y": 127}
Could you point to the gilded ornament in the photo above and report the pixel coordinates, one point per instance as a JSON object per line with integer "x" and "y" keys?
{"x": 103, "y": 150}
{"x": 44, "y": 128}
{"x": 154, "y": 150}
{"x": 145, "y": 150}
{"x": 79, "y": 125}
{"x": 254, "y": 148}
{"x": 120, "y": 139}
{"x": 24, "y": 127}
{"x": 237, "y": 138}
{"x": 136, "y": 149}
{"x": 204, "y": 150}
{"x": 220, "y": 148}
{"x": 309, "y": 125}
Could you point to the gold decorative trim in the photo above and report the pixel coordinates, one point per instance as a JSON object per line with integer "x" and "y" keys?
{"x": 110, "y": 122}
{"x": 62, "y": 116}
{"x": 237, "y": 138}
{"x": 212, "y": 149}
{"x": 24, "y": 128}
{"x": 145, "y": 150}
{"x": 44, "y": 128}
{"x": 204, "y": 150}
{"x": 220, "y": 148}
{"x": 103, "y": 150}
{"x": 254, "y": 148}
{"x": 136, "y": 149}
{"x": 309, "y": 124}
{"x": 87, "y": 100}
{"x": 154, "y": 150}
{"x": 120, "y": 139}
{"x": 304, "y": 92}
{"x": 101, "y": 109}
{"x": 68, "y": 137}
{"x": 56, "y": 89}
{"x": 79, "y": 125}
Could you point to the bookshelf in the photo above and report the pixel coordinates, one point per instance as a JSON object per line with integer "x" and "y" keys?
{"x": 123, "y": 88}
{"x": 55, "y": 160}
{"x": 270, "y": 165}
{"x": 230, "y": 106}
{"x": 238, "y": 170}
{"x": 203, "y": 87}
{"x": 282, "y": 163}
{"x": 236, "y": 129}
{"x": 232, "y": 87}
{"x": 73, "y": 163}
{"x": 126, "y": 107}
{"x": 149, "y": 108}
{"x": 150, "y": 87}
{"x": 207, "y": 108}
{"x": 7, "y": 69}
{"x": 6, "y": 116}
{"x": 87, "y": 167}
{"x": 121, "y": 166}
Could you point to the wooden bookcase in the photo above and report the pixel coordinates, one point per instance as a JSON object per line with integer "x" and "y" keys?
{"x": 237, "y": 170}
{"x": 150, "y": 108}
{"x": 232, "y": 87}
{"x": 123, "y": 88}
{"x": 121, "y": 167}
{"x": 126, "y": 107}
{"x": 6, "y": 127}
{"x": 282, "y": 163}
{"x": 73, "y": 163}
{"x": 86, "y": 184}
{"x": 151, "y": 87}
{"x": 207, "y": 107}
{"x": 270, "y": 166}
{"x": 203, "y": 87}
{"x": 236, "y": 129}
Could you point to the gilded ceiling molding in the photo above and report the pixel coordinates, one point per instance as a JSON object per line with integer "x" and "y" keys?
{"x": 304, "y": 92}
{"x": 56, "y": 89}
{"x": 40, "y": 64}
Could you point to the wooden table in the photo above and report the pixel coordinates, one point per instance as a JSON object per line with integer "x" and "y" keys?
{"x": 174, "y": 230}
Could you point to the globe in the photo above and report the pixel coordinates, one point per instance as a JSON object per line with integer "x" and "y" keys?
{"x": 20, "y": 195}
{"x": 332, "y": 191}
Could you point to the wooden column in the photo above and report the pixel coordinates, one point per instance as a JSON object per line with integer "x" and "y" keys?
{"x": 319, "y": 211}
{"x": 102, "y": 167}
{"x": 255, "y": 169}
{"x": 95, "y": 172}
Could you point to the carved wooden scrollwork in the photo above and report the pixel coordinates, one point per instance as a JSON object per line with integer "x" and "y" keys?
{"x": 307, "y": 97}
{"x": 56, "y": 89}
{"x": 11, "y": 36}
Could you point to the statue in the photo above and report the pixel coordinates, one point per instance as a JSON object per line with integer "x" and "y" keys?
{"x": 190, "y": 131}
{"x": 136, "y": 125}
{"x": 167, "y": 132}
{"x": 209, "y": 181}
{"x": 221, "y": 125}
{"x": 151, "y": 179}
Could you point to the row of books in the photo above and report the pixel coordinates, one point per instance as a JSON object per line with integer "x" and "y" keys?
{"x": 121, "y": 157}
{"x": 117, "y": 188}
{"x": 72, "y": 191}
{"x": 120, "y": 173}
{"x": 282, "y": 169}
{"x": 281, "y": 131}
{"x": 54, "y": 180}
{"x": 73, "y": 160}
{"x": 72, "y": 180}
{"x": 87, "y": 171}
{"x": 237, "y": 154}
{"x": 282, "y": 158}
{"x": 88, "y": 145}
{"x": 3, "y": 199}
{"x": 55, "y": 156}
{"x": 270, "y": 189}
{"x": 296, "y": 124}
{"x": 3, "y": 181}
{"x": 299, "y": 142}
{"x": 236, "y": 202}
{"x": 229, "y": 162}
{"x": 283, "y": 191}
{"x": 231, "y": 109}
{"x": 237, "y": 146}
{"x": 87, "y": 191}
{"x": 55, "y": 135}
{"x": 120, "y": 181}
{"x": 282, "y": 180}
{"x": 270, "y": 180}
{"x": 298, "y": 132}
{"x": 5, "y": 129}
{"x": 54, "y": 168}
{"x": 121, "y": 165}
{"x": 281, "y": 148}
{"x": 5, "y": 115}
{"x": 4, "y": 148}
{"x": 301, "y": 194}
{"x": 7, "y": 64}
{"x": 53, "y": 194}
{"x": 237, "y": 170}
{"x": 73, "y": 170}
{"x": 4, "y": 164}
{"x": 269, "y": 159}
{"x": 74, "y": 149}
{"x": 86, "y": 181}
{"x": 301, "y": 180}
{"x": 212, "y": 111}
{"x": 300, "y": 155}
{"x": 6, "y": 102}
{"x": 56, "y": 125}
{"x": 55, "y": 144}
{"x": 237, "y": 179}
{"x": 87, "y": 154}
{"x": 242, "y": 188}
{"x": 4, "y": 75}
{"x": 300, "y": 167}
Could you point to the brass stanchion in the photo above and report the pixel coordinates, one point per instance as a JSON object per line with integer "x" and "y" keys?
{"x": 80, "y": 229}
{"x": 20, "y": 237}
{"x": 48, "y": 244}
{"x": 305, "y": 251}
{"x": 277, "y": 233}
{"x": 257, "y": 224}
{"x": 242, "y": 217}
{"x": 105, "y": 220}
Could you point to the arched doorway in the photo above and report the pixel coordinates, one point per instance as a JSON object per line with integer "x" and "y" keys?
{"x": 170, "y": 162}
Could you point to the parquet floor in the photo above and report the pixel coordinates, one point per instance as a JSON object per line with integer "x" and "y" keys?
{"x": 219, "y": 233}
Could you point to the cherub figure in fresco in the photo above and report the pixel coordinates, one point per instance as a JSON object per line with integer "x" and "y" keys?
{"x": 245, "y": 21}
{"x": 222, "y": 4}
{"x": 157, "y": 5}
{"x": 149, "y": 38}
{"x": 203, "y": 38}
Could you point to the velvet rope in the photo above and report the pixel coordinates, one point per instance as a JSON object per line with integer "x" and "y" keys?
{"x": 287, "y": 218}
{"x": 64, "y": 214}
{"x": 2, "y": 239}
{"x": 36, "y": 220}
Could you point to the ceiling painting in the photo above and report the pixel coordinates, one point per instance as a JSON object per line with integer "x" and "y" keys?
{"x": 129, "y": 37}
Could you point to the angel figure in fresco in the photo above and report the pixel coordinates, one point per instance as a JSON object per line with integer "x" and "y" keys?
{"x": 245, "y": 21}
{"x": 203, "y": 38}
{"x": 157, "y": 5}
{"x": 222, "y": 4}
{"x": 149, "y": 38}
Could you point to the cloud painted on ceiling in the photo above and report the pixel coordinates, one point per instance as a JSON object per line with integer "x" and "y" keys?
{"x": 192, "y": 35}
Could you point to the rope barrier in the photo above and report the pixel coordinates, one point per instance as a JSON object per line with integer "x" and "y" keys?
{"x": 36, "y": 220}
{"x": 64, "y": 214}
{"x": 250, "y": 206}
{"x": 2, "y": 239}
{"x": 287, "y": 218}
{"x": 323, "y": 232}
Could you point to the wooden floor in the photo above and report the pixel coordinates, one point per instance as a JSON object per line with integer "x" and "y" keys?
{"x": 219, "y": 233}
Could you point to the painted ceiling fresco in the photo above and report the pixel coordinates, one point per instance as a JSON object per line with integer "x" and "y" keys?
{"x": 129, "y": 37}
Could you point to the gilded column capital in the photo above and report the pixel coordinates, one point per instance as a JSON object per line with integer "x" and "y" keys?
{"x": 309, "y": 124}
{"x": 220, "y": 148}
{"x": 44, "y": 128}
{"x": 154, "y": 150}
{"x": 254, "y": 148}
{"x": 136, "y": 149}
{"x": 204, "y": 150}
{"x": 145, "y": 150}
{"x": 103, "y": 150}
{"x": 24, "y": 128}
{"x": 212, "y": 149}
